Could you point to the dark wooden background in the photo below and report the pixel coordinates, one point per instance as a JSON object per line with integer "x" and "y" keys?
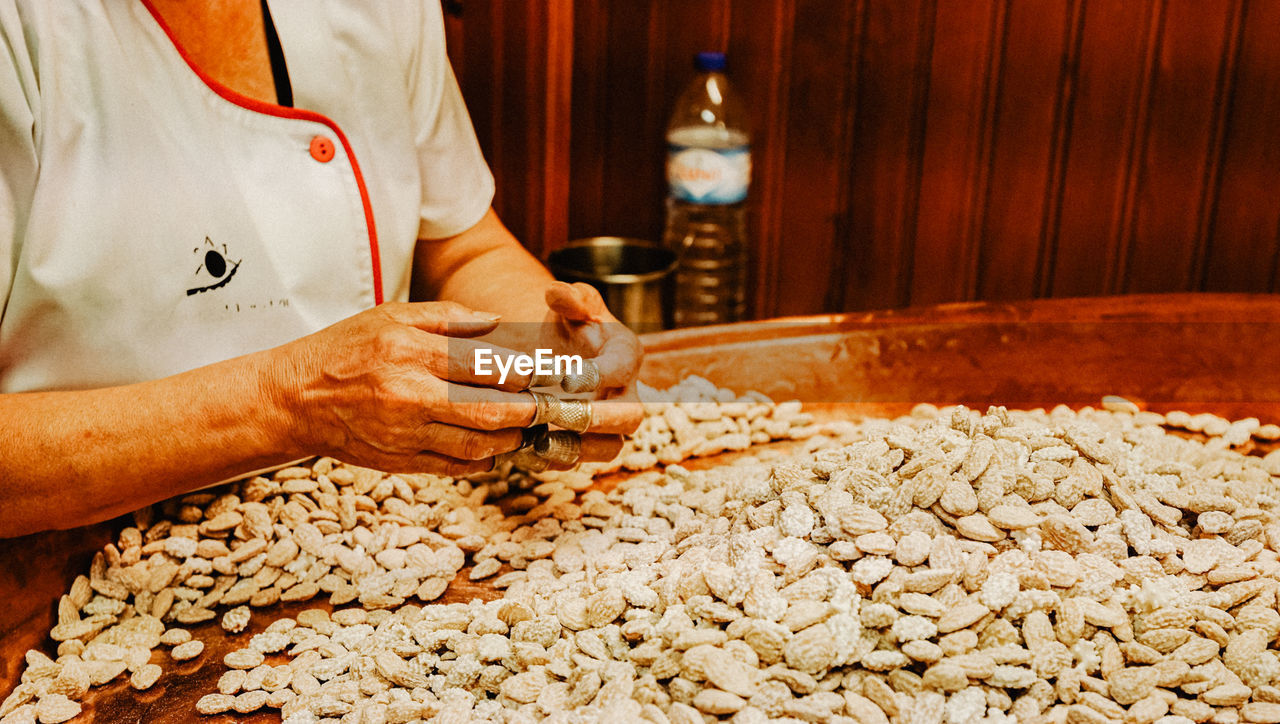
{"x": 907, "y": 151}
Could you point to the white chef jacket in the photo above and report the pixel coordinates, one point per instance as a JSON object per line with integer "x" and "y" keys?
{"x": 152, "y": 220}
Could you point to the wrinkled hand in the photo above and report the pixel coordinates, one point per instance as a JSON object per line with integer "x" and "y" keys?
{"x": 580, "y": 323}
{"x": 393, "y": 388}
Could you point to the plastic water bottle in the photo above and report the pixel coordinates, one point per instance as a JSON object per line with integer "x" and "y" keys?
{"x": 708, "y": 174}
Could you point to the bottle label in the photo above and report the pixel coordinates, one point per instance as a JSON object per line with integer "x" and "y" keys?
{"x": 708, "y": 176}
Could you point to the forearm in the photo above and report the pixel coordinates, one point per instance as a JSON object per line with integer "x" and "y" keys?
{"x": 506, "y": 280}
{"x": 484, "y": 268}
{"x": 72, "y": 458}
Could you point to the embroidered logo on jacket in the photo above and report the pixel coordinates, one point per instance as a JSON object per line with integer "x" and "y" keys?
{"x": 215, "y": 267}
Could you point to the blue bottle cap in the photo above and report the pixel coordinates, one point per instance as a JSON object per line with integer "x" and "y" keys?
{"x": 709, "y": 61}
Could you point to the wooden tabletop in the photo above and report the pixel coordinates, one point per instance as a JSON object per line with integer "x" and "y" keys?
{"x": 1211, "y": 353}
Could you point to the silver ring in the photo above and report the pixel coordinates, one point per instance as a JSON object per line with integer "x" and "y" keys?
{"x": 559, "y": 447}
{"x": 588, "y": 381}
{"x": 541, "y": 380}
{"x": 528, "y": 460}
{"x": 543, "y": 407}
{"x": 522, "y": 459}
{"x": 525, "y": 457}
{"x": 572, "y": 415}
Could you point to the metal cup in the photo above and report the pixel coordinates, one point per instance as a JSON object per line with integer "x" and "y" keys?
{"x": 635, "y": 277}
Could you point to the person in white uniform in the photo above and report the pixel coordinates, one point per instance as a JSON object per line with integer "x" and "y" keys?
{"x": 213, "y": 216}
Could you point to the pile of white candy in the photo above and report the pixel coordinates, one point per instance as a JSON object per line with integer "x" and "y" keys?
{"x": 353, "y": 534}
{"x": 943, "y": 567}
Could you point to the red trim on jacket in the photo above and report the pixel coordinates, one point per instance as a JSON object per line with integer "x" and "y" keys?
{"x": 272, "y": 109}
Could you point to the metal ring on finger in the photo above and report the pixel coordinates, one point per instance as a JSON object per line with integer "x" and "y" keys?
{"x": 526, "y": 457}
{"x": 558, "y": 447}
{"x": 544, "y": 380}
{"x": 572, "y": 415}
{"x": 586, "y": 381}
{"x": 544, "y": 404}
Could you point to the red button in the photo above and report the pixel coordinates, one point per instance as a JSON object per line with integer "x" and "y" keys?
{"x": 322, "y": 149}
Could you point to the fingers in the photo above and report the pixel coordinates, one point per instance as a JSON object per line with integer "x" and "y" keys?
{"x": 582, "y": 313}
{"x": 600, "y": 448}
{"x": 618, "y": 416}
{"x": 620, "y": 357}
{"x": 430, "y": 462}
{"x": 596, "y": 448}
{"x": 449, "y": 355}
{"x": 467, "y": 444}
{"x": 483, "y": 408}
{"x": 618, "y": 349}
{"x": 577, "y": 302}
{"x": 446, "y": 318}
{"x": 407, "y": 393}
{"x": 480, "y": 408}
{"x": 471, "y": 362}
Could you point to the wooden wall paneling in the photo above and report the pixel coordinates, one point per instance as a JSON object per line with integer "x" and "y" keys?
{"x": 632, "y": 182}
{"x": 1134, "y": 155}
{"x": 1244, "y": 244}
{"x": 843, "y": 227}
{"x": 888, "y": 134}
{"x": 555, "y": 133}
{"x": 1165, "y": 238}
{"x": 590, "y": 106}
{"x": 818, "y": 103}
{"x": 630, "y": 168}
{"x": 1107, "y": 106}
{"x": 1063, "y": 113}
{"x": 477, "y": 55}
{"x": 535, "y": 115}
{"x": 1025, "y": 134}
{"x": 686, "y": 29}
{"x": 963, "y": 79}
{"x": 760, "y": 50}
{"x": 1225, "y": 89}
{"x": 517, "y": 64}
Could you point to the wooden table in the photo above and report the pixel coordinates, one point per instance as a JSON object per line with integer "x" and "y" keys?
{"x": 1215, "y": 353}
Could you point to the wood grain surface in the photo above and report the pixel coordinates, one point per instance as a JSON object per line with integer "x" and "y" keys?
{"x": 1195, "y": 352}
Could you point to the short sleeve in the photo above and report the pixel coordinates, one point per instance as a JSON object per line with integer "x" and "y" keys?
{"x": 457, "y": 186}
{"x": 18, "y": 165}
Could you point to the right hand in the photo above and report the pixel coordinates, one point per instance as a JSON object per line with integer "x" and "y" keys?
{"x": 392, "y": 388}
